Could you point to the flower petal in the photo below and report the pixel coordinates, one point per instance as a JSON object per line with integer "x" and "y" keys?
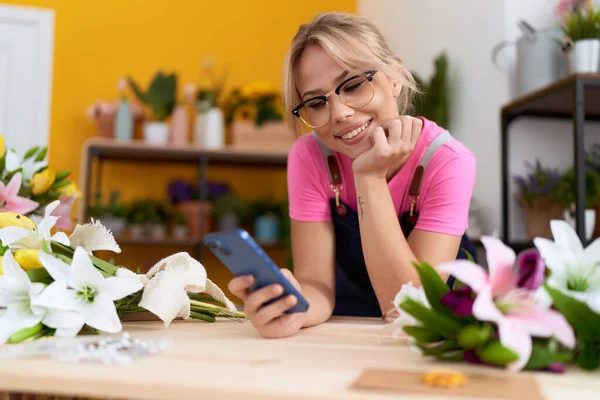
{"x": 12, "y": 290}
{"x": 94, "y": 237}
{"x": 62, "y": 319}
{"x": 61, "y": 238}
{"x": 194, "y": 273}
{"x": 11, "y": 234}
{"x": 501, "y": 259}
{"x": 566, "y": 237}
{"x": 555, "y": 258}
{"x": 216, "y": 293}
{"x": 20, "y": 205}
{"x": 50, "y": 208}
{"x": 484, "y": 307}
{"x": 58, "y": 269}
{"x": 17, "y": 316}
{"x": 532, "y": 269}
{"x": 517, "y": 340}
{"x": 165, "y": 295}
{"x": 68, "y": 332}
{"x": 102, "y": 314}
{"x": 57, "y": 296}
{"x": 591, "y": 254}
{"x": 539, "y": 322}
{"x": 594, "y": 303}
{"x": 13, "y": 161}
{"x": 14, "y": 185}
{"x": 467, "y": 272}
{"x": 13, "y": 269}
{"x": 117, "y": 288}
{"x": 83, "y": 272}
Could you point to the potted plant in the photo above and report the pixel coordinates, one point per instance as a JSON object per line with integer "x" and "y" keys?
{"x": 230, "y": 211}
{"x": 157, "y": 219}
{"x": 111, "y": 215}
{"x": 185, "y": 198}
{"x": 581, "y": 25}
{"x": 136, "y": 219}
{"x": 161, "y": 99}
{"x": 433, "y": 104}
{"x": 209, "y": 126}
{"x": 267, "y": 220}
{"x": 538, "y": 196}
{"x": 567, "y": 194}
{"x": 255, "y": 114}
{"x": 180, "y": 230}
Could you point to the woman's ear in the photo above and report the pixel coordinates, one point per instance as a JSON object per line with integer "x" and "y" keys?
{"x": 396, "y": 88}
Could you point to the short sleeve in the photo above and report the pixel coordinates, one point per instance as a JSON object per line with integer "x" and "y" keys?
{"x": 306, "y": 180}
{"x": 447, "y": 198}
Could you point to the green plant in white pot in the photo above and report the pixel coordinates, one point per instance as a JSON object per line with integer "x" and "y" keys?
{"x": 580, "y": 21}
{"x": 161, "y": 98}
{"x": 180, "y": 230}
{"x": 567, "y": 192}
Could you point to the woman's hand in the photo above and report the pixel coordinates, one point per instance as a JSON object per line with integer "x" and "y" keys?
{"x": 270, "y": 320}
{"x": 392, "y": 145}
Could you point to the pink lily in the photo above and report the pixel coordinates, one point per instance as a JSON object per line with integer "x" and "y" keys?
{"x": 501, "y": 301}
{"x": 63, "y": 212}
{"x": 10, "y": 201}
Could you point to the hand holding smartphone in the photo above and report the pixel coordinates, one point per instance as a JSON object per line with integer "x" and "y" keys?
{"x": 243, "y": 256}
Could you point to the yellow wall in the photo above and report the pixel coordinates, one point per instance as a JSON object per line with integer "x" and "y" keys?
{"x": 97, "y": 42}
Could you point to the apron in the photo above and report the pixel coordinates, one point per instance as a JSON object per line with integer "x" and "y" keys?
{"x": 354, "y": 294}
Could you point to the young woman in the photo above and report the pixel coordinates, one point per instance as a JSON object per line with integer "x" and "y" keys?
{"x": 371, "y": 189}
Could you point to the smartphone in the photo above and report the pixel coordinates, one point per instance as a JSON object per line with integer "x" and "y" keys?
{"x": 243, "y": 256}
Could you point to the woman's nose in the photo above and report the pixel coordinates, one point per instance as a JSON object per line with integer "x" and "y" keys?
{"x": 339, "y": 110}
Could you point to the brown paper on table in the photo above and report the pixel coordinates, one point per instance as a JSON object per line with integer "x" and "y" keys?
{"x": 480, "y": 386}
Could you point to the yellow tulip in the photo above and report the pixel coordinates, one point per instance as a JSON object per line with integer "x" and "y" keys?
{"x": 2, "y": 147}
{"x": 42, "y": 181}
{"x": 28, "y": 259}
{"x": 9, "y": 218}
{"x": 70, "y": 190}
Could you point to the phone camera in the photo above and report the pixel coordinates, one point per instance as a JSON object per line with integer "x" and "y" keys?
{"x": 224, "y": 251}
{"x": 211, "y": 245}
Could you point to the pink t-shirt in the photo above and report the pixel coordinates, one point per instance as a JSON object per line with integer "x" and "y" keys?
{"x": 445, "y": 193}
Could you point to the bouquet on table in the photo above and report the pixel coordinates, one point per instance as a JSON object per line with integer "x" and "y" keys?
{"x": 52, "y": 284}
{"x": 27, "y": 185}
{"x": 539, "y": 310}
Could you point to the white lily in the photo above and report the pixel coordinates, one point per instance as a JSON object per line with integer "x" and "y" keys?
{"x": 407, "y": 291}
{"x": 16, "y": 237}
{"x": 16, "y": 294}
{"x": 169, "y": 281}
{"x": 82, "y": 289}
{"x": 575, "y": 270}
{"x": 28, "y": 167}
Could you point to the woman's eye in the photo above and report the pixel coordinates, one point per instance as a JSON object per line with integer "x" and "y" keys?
{"x": 315, "y": 105}
{"x": 353, "y": 86}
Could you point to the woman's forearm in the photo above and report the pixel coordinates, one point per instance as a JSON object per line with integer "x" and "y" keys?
{"x": 320, "y": 301}
{"x": 388, "y": 256}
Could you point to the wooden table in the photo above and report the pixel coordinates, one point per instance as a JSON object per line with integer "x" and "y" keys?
{"x": 228, "y": 360}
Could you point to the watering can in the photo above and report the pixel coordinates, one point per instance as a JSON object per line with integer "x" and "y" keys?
{"x": 539, "y": 60}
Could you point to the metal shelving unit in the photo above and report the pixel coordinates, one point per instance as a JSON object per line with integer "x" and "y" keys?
{"x": 576, "y": 97}
{"x": 97, "y": 151}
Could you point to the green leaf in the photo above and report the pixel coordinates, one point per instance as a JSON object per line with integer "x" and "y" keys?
{"x": 62, "y": 175}
{"x": 496, "y": 354}
{"x": 2, "y": 164}
{"x": 25, "y": 333}
{"x": 423, "y": 335}
{"x": 31, "y": 152}
{"x": 584, "y": 321}
{"x": 39, "y": 275}
{"x": 434, "y": 287}
{"x": 439, "y": 349}
{"x": 42, "y": 154}
{"x": 13, "y": 173}
{"x": 59, "y": 184}
{"x": 588, "y": 357}
{"x": 542, "y": 356}
{"x": 438, "y": 322}
{"x": 475, "y": 335}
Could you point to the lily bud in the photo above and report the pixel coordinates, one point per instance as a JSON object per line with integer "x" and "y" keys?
{"x": 28, "y": 259}
{"x": 496, "y": 354}
{"x": 475, "y": 335}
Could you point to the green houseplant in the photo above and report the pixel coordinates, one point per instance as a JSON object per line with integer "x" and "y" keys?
{"x": 161, "y": 98}
{"x": 567, "y": 192}
{"x": 433, "y": 101}
{"x": 580, "y": 22}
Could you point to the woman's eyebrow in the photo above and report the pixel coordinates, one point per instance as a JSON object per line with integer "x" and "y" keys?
{"x": 335, "y": 81}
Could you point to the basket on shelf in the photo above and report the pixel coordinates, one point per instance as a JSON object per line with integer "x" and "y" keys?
{"x": 538, "y": 215}
{"x": 270, "y": 135}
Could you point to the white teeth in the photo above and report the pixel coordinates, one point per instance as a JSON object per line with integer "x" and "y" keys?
{"x": 355, "y": 132}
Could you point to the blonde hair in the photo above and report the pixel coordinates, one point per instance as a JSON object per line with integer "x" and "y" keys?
{"x": 354, "y": 43}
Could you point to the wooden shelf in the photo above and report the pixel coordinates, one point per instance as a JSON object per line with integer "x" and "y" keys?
{"x": 109, "y": 149}
{"x": 557, "y": 100}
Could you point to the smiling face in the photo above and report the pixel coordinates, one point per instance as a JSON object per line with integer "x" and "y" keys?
{"x": 348, "y": 129}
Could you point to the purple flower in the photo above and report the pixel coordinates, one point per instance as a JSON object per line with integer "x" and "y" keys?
{"x": 532, "y": 269}
{"x": 460, "y": 301}
{"x": 556, "y": 367}
{"x": 471, "y": 357}
{"x": 179, "y": 191}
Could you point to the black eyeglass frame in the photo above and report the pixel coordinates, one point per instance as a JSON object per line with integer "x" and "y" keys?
{"x": 296, "y": 110}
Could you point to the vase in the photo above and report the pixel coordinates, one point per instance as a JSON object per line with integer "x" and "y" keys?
{"x": 180, "y": 231}
{"x": 179, "y": 126}
{"x": 584, "y": 56}
{"x": 266, "y": 228}
{"x": 156, "y": 133}
{"x": 209, "y": 129}
{"x": 538, "y": 215}
{"x": 124, "y": 123}
{"x": 197, "y": 217}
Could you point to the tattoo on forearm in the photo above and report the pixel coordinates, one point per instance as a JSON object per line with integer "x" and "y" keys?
{"x": 360, "y": 205}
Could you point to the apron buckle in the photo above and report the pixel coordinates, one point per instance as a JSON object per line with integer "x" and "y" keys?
{"x": 340, "y": 208}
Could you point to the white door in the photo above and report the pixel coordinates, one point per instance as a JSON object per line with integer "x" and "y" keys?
{"x": 26, "y": 54}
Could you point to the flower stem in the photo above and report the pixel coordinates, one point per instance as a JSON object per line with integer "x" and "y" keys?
{"x": 204, "y": 317}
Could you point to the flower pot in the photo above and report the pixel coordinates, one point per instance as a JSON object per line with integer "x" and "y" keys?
{"x": 209, "y": 130}
{"x": 590, "y": 221}
{"x": 136, "y": 231}
{"x": 180, "y": 231}
{"x": 156, "y": 132}
{"x": 539, "y": 214}
{"x": 197, "y": 217}
{"x": 179, "y": 126}
{"x": 584, "y": 56}
{"x": 266, "y": 229}
{"x": 157, "y": 231}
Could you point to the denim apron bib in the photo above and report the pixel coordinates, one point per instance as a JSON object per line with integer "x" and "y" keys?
{"x": 354, "y": 294}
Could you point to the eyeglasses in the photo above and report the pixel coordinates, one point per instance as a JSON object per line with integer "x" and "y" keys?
{"x": 355, "y": 92}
